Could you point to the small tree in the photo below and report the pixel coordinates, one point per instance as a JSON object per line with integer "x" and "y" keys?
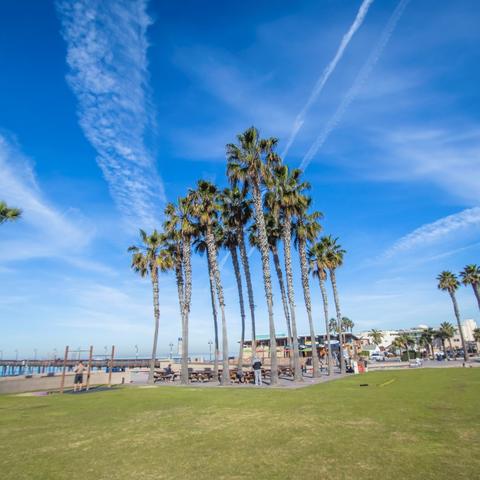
{"x": 376, "y": 336}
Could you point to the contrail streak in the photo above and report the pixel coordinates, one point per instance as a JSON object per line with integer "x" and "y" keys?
{"x": 357, "y": 84}
{"x": 300, "y": 119}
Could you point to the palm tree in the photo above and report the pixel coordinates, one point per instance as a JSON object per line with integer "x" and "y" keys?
{"x": 306, "y": 230}
{"x": 470, "y": 275}
{"x": 476, "y": 336}
{"x": 200, "y": 246}
{"x": 347, "y": 324}
{"x": 147, "y": 259}
{"x": 406, "y": 341}
{"x": 230, "y": 242}
{"x": 179, "y": 230}
{"x": 318, "y": 268}
{"x": 205, "y": 209}
{"x": 334, "y": 259}
{"x": 274, "y": 234}
{"x": 8, "y": 214}
{"x": 448, "y": 332}
{"x": 376, "y": 336}
{"x": 332, "y": 325}
{"x": 439, "y": 335}
{"x": 426, "y": 339}
{"x": 250, "y": 162}
{"x": 285, "y": 199}
{"x": 236, "y": 213}
{"x": 448, "y": 282}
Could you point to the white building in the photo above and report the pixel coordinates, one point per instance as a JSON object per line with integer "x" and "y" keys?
{"x": 468, "y": 326}
{"x": 390, "y": 335}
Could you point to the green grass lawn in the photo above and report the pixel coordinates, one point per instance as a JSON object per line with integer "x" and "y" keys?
{"x": 419, "y": 424}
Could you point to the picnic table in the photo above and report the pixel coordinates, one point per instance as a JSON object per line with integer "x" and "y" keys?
{"x": 204, "y": 375}
{"x": 162, "y": 376}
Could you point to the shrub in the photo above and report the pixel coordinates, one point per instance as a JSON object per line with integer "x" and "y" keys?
{"x": 413, "y": 355}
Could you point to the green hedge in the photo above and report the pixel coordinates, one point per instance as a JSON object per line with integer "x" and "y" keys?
{"x": 413, "y": 355}
{"x": 364, "y": 353}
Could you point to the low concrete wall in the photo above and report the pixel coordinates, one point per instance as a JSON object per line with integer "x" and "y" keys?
{"x": 43, "y": 383}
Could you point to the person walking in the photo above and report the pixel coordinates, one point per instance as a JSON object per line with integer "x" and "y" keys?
{"x": 257, "y": 370}
{"x": 78, "y": 379}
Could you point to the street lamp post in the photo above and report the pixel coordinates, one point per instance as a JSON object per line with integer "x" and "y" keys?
{"x": 210, "y": 343}
{"x": 136, "y": 352}
{"x": 34, "y": 353}
{"x": 171, "y": 350}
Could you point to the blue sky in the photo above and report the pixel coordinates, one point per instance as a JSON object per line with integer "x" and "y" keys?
{"x": 110, "y": 109}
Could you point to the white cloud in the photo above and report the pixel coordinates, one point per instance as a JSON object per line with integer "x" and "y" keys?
{"x": 300, "y": 119}
{"x": 435, "y": 231}
{"x": 107, "y": 56}
{"x": 447, "y": 157}
{"x": 45, "y": 230}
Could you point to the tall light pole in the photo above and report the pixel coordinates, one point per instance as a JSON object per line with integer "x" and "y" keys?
{"x": 210, "y": 343}
{"x": 34, "y": 353}
{"x": 136, "y": 352}
{"x": 171, "y": 350}
{"x": 16, "y": 355}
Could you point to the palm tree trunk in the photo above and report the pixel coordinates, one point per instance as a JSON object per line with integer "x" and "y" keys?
{"x": 187, "y": 268}
{"x": 287, "y": 239}
{"x": 327, "y": 329}
{"x": 267, "y": 277}
{"x": 408, "y": 353}
{"x": 238, "y": 276}
{"x": 302, "y": 249}
{"x": 181, "y": 300}
{"x": 215, "y": 320}
{"x": 156, "y": 314}
{"x": 281, "y": 284}
{"x": 212, "y": 255}
{"x": 339, "y": 319}
{"x": 476, "y": 291}
{"x": 248, "y": 280}
{"x": 457, "y": 315}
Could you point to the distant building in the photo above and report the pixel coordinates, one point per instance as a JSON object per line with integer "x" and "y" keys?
{"x": 468, "y": 326}
{"x": 284, "y": 348}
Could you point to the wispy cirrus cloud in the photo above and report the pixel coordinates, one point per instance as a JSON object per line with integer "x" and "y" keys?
{"x": 45, "y": 230}
{"x": 354, "y": 90}
{"x": 107, "y": 57}
{"x": 327, "y": 72}
{"x": 435, "y": 231}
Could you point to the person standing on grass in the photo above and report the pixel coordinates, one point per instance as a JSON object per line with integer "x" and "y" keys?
{"x": 257, "y": 370}
{"x": 78, "y": 380}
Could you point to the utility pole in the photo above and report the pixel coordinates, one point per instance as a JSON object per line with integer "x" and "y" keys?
{"x": 210, "y": 343}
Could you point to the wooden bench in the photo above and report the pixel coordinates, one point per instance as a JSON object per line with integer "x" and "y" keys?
{"x": 161, "y": 376}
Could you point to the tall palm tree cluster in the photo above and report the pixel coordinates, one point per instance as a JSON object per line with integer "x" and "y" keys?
{"x": 449, "y": 282}
{"x": 265, "y": 206}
